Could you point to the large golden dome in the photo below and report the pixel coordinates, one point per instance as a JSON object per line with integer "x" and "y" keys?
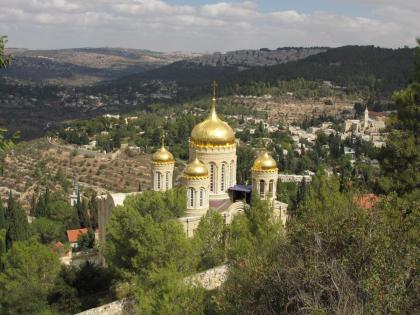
{"x": 163, "y": 156}
{"x": 196, "y": 169}
{"x": 264, "y": 163}
{"x": 213, "y": 131}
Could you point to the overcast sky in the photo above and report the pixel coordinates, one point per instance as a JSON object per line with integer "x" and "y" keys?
{"x": 206, "y": 25}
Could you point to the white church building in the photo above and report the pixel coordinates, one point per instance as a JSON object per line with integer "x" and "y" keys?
{"x": 209, "y": 177}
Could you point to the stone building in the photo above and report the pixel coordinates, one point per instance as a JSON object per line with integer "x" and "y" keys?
{"x": 372, "y": 123}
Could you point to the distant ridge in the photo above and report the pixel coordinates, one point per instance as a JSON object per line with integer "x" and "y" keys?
{"x": 351, "y": 67}
{"x": 256, "y": 58}
{"x": 81, "y": 66}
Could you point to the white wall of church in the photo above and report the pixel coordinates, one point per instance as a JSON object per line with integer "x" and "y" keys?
{"x": 221, "y": 163}
{"x": 162, "y": 176}
{"x": 197, "y": 196}
{"x": 265, "y": 184}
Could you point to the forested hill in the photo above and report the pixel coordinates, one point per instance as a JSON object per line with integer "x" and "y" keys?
{"x": 257, "y": 57}
{"x": 352, "y": 68}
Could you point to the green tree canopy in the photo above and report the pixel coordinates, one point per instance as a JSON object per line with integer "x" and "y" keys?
{"x": 137, "y": 244}
{"x": 47, "y": 231}
{"x": 210, "y": 239}
{"x": 160, "y": 205}
{"x": 400, "y": 159}
{"x": 152, "y": 253}
{"x": 334, "y": 259}
{"x": 28, "y": 278}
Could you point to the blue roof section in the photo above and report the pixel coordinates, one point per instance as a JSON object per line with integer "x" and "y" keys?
{"x": 242, "y": 188}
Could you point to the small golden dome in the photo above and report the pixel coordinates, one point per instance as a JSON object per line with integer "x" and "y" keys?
{"x": 163, "y": 156}
{"x": 264, "y": 163}
{"x": 196, "y": 169}
{"x": 213, "y": 131}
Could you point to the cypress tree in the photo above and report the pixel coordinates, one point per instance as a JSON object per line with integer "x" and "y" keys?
{"x": 47, "y": 200}
{"x": 93, "y": 207}
{"x": 3, "y": 248}
{"x": 33, "y": 205}
{"x": 81, "y": 210}
{"x": 41, "y": 207}
{"x": 86, "y": 215}
{"x": 3, "y": 222}
{"x": 18, "y": 227}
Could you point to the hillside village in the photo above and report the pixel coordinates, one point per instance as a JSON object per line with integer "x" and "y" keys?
{"x": 91, "y": 161}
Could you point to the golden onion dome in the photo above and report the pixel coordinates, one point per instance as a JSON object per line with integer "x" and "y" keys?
{"x": 264, "y": 163}
{"x": 213, "y": 131}
{"x": 163, "y": 156}
{"x": 196, "y": 169}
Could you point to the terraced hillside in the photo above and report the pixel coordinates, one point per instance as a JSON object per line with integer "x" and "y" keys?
{"x": 41, "y": 161}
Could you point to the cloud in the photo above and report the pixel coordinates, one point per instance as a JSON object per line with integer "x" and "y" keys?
{"x": 242, "y": 10}
{"x": 289, "y": 16}
{"x": 142, "y": 7}
{"x": 222, "y": 26}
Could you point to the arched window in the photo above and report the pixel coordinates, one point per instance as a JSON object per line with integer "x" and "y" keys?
{"x": 262, "y": 188}
{"x": 191, "y": 199}
{"x": 212, "y": 177}
{"x": 271, "y": 188}
{"x": 201, "y": 197}
{"x": 158, "y": 180}
{"x": 167, "y": 180}
{"x": 223, "y": 177}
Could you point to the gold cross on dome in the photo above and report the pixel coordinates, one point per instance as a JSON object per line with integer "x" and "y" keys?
{"x": 162, "y": 138}
{"x": 214, "y": 86}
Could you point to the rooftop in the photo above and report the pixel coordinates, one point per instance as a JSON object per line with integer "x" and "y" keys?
{"x": 73, "y": 235}
{"x": 367, "y": 201}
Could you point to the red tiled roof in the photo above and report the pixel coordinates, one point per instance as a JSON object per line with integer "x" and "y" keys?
{"x": 367, "y": 201}
{"x": 58, "y": 245}
{"x": 73, "y": 235}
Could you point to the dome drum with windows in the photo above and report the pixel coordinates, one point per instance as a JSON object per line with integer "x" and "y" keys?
{"x": 265, "y": 164}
